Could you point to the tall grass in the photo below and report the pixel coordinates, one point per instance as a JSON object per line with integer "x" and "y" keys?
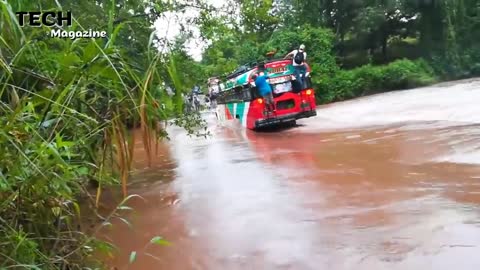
{"x": 64, "y": 106}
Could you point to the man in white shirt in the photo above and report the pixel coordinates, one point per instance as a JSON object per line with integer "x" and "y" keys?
{"x": 298, "y": 62}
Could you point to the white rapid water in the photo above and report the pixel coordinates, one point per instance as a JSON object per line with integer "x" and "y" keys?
{"x": 455, "y": 102}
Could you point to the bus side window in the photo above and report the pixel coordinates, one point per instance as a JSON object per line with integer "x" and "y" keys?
{"x": 254, "y": 93}
{"x": 247, "y": 95}
{"x": 238, "y": 93}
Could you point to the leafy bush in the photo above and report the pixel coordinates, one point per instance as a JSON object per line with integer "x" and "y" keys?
{"x": 368, "y": 79}
{"x": 64, "y": 106}
{"x": 318, "y": 43}
{"x": 403, "y": 74}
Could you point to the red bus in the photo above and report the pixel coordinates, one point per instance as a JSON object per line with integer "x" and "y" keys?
{"x": 239, "y": 98}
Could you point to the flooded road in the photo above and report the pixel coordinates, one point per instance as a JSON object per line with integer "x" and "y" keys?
{"x": 390, "y": 181}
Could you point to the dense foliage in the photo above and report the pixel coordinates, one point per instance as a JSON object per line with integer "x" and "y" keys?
{"x": 65, "y": 109}
{"x": 362, "y": 35}
{"x": 369, "y": 79}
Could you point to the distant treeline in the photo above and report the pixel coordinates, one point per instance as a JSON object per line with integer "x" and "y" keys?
{"x": 356, "y": 46}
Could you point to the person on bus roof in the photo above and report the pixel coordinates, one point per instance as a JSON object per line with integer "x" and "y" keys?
{"x": 264, "y": 89}
{"x": 298, "y": 62}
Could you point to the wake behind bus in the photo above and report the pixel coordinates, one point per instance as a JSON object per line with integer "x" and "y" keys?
{"x": 239, "y": 99}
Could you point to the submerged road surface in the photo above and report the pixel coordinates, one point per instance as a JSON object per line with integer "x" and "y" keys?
{"x": 390, "y": 181}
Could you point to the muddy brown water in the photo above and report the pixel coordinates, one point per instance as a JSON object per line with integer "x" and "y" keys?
{"x": 385, "y": 182}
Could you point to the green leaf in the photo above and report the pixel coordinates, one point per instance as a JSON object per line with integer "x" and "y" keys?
{"x": 82, "y": 171}
{"x": 42, "y": 96}
{"x": 150, "y": 41}
{"x": 77, "y": 209}
{"x": 160, "y": 241}
{"x": 56, "y": 211}
{"x": 133, "y": 256}
{"x": 109, "y": 73}
{"x": 90, "y": 52}
{"x": 5, "y": 66}
{"x": 114, "y": 35}
{"x": 69, "y": 59}
{"x": 105, "y": 247}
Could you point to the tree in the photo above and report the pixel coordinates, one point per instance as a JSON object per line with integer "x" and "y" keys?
{"x": 257, "y": 19}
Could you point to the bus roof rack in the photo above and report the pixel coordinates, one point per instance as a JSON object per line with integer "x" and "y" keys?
{"x": 274, "y": 60}
{"x": 239, "y": 70}
{"x": 249, "y": 66}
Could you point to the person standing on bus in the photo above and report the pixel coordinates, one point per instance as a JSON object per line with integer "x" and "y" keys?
{"x": 298, "y": 62}
{"x": 264, "y": 89}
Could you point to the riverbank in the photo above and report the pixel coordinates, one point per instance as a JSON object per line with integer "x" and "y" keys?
{"x": 368, "y": 80}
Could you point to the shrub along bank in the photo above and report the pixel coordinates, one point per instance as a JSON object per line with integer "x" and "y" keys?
{"x": 368, "y": 79}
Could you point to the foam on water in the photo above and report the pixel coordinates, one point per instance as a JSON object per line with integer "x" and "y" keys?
{"x": 455, "y": 103}
{"x": 465, "y": 156}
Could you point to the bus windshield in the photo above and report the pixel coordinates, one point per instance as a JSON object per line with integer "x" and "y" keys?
{"x": 281, "y": 84}
{"x": 282, "y": 79}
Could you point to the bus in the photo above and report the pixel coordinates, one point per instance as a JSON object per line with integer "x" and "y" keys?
{"x": 239, "y": 98}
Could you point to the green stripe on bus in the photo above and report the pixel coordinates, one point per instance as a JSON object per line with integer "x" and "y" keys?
{"x": 240, "y": 109}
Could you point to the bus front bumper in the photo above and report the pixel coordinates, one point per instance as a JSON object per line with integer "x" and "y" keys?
{"x": 275, "y": 120}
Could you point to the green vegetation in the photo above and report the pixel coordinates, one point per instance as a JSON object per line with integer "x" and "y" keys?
{"x": 65, "y": 109}
{"x": 369, "y": 79}
{"x": 67, "y": 106}
{"x": 354, "y": 47}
